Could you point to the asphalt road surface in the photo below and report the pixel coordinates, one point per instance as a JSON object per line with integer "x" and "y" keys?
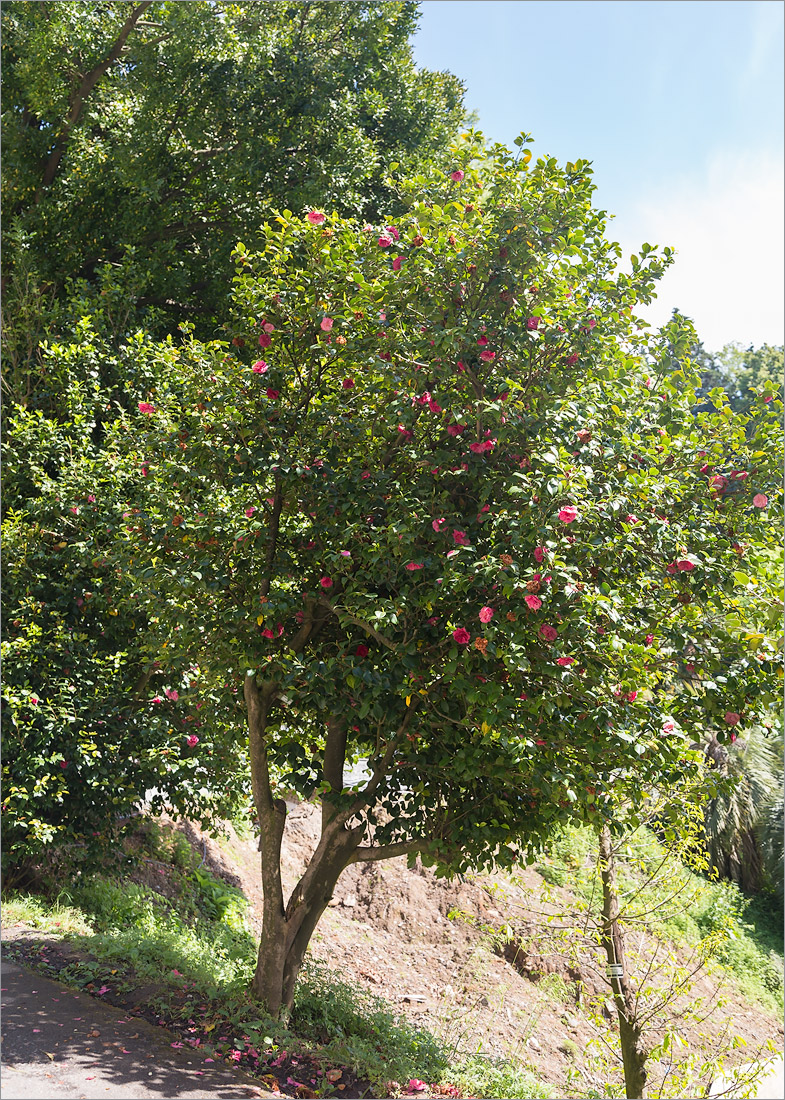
{"x": 57, "y": 1043}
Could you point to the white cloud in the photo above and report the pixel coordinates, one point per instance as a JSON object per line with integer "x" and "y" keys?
{"x": 727, "y": 229}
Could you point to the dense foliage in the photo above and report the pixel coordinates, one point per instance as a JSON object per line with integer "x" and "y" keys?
{"x": 461, "y": 521}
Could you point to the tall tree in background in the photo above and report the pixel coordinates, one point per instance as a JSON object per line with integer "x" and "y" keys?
{"x": 141, "y": 141}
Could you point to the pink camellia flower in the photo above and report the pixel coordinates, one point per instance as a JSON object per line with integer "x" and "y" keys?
{"x": 483, "y": 340}
{"x": 631, "y": 696}
{"x": 365, "y": 475}
{"x": 413, "y": 565}
{"x": 192, "y": 741}
{"x": 685, "y": 566}
{"x": 671, "y": 567}
{"x": 740, "y": 475}
{"x": 649, "y": 383}
{"x": 259, "y": 367}
{"x": 91, "y": 498}
{"x": 416, "y": 1085}
{"x": 649, "y": 639}
{"x": 326, "y": 324}
{"x": 462, "y": 636}
{"x": 315, "y": 217}
{"x": 439, "y": 524}
{"x": 732, "y": 718}
{"x": 361, "y": 651}
{"x": 534, "y": 603}
{"x": 348, "y": 383}
{"x": 396, "y": 236}
{"x": 265, "y": 339}
{"x": 486, "y": 614}
{"x": 396, "y": 264}
{"x": 456, "y": 429}
{"x": 668, "y": 726}
{"x": 156, "y": 699}
{"x": 384, "y": 241}
{"x": 477, "y": 448}
{"x": 760, "y": 500}
{"x": 457, "y": 175}
{"x": 267, "y": 633}
{"x": 250, "y": 511}
{"x": 34, "y": 700}
{"x": 63, "y": 763}
{"x": 273, "y": 394}
{"x": 460, "y": 538}
{"x": 549, "y": 633}
{"x": 487, "y": 356}
{"x": 631, "y": 519}
{"x": 170, "y": 693}
{"x": 434, "y": 406}
{"x": 568, "y": 514}
{"x": 267, "y": 326}
{"x": 146, "y": 408}
{"x": 326, "y": 582}
{"x": 532, "y": 323}
{"x": 572, "y": 360}
{"x": 565, "y": 662}
{"x": 539, "y": 553}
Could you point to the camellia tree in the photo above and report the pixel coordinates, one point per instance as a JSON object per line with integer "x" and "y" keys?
{"x": 442, "y": 506}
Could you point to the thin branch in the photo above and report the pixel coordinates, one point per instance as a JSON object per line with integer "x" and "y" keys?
{"x": 387, "y": 851}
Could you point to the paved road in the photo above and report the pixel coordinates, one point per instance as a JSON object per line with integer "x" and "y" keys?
{"x": 770, "y": 1087}
{"x": 57, "y": 1043}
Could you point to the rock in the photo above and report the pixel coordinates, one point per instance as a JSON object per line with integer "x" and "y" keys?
{"x": 533, "y": 1043}
{"x": 609, "y": 1009}
{"x": 412, "y": 998}
{"x": 349, "y": 901}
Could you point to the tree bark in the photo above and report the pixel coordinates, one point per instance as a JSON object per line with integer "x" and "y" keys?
{"x": 633, "y": 1052}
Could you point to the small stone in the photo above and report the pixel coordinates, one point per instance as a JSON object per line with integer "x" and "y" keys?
{"x": 349, "y": 901}
{"x": 533, "y": 1043}
{"x": 413, "y": 998}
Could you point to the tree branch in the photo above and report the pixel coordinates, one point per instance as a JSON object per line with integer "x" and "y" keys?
{"x": 86, "y": 86}
{"x": 358, "y": 622}
{"x": 387, "y": 851}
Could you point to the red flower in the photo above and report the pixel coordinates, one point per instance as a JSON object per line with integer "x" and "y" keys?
{"x": 565, "y": 662}
{"x": 259, "y": 367}
{"x": 273, "y": 394}
{"x": 412, "y": 566}
{"x": 326, "y": 582}
{"x": 685, "y": 566}
{"x": 486, "y": 614}
{"x": 192, "y": 741}
{"x": 348, "y": 383}
{"x": 483, "y": 340}
{"x": 534, "y": 603}
{"x": 732, "y": 718}
{"x": 760, "y": 500}
{"x": 265, "y": 340}
{"x": 396, "y": 264}
{"x": 146, "y": 408}
{"x": 532, "y": 323}
{"x": 568, "y": 513}
{"x": 315, "y": 217}
{"x": 457, "y": 175}
{"x": 549, "y": 633}
{"x": 460, "y": 538}
{"x": 456, "y": 429}
{"x": 326, "y": 324}
{"x": 461, "y": 636}
{"x": 539, "y": 553}
{"x": 487, "y": 356}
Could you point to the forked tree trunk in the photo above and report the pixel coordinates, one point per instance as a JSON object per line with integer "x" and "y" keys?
{"x": 287, "y": 929}
{"x": 632, "y": 1048}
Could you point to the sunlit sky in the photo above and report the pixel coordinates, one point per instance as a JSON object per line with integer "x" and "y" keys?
{"x": 678, "y": 104}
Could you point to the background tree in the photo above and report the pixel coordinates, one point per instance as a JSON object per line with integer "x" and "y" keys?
{"x": 142, "y": 140}
{"x": 455, "y": 522}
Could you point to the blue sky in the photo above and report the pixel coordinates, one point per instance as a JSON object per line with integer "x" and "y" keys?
{"x": 678, "y": 104}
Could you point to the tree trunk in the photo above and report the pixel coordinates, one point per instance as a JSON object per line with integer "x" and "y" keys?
{"x": 633, "y": 1051}
{"x": 287, "y": 930}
